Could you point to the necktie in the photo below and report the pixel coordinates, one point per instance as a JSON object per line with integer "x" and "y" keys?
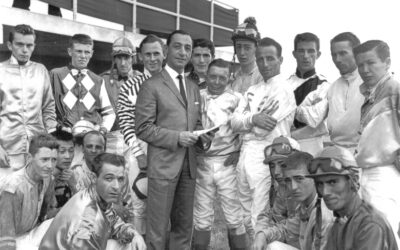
{"x": 182, "y": 89}
{"x": 122, "y": 78}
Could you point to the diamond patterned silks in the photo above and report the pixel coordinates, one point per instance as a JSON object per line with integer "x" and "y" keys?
{"x": 76, "y": 89}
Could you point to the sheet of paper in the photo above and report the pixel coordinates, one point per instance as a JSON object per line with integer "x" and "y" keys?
{"x": 205, "y": 131}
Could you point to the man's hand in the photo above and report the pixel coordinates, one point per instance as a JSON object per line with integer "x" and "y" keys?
{"x": 65, "y": 175}
{"x": 264, "y": 121}
{"x": 260, "y": 242}
{"x": 4, "y": 161}
{"x": 232, "y": 159}
{"x": 207, "y": 138}
{"x": 122, "y": 212}
{"x": 316, "y": 100}
{"x": 142, "y": 162}
{"x": 271, "y": 107}
{"x": 187, "y": 138}
{"x": 138, "y": 242}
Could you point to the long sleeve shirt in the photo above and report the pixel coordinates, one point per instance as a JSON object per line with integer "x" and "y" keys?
{"x": 256, "y": 99}
{"x": 26, "y": 104}
{"x": 86, "y": 223}
{"x": 86, "y": 178}
{"x": 21, "y": 199}
{"x": 243, "y": 81}
{"x": 283, "y": 207}
{"x": 362, "y": 228}
{"x": 344, "y": 104}
{"x": 308, "y": 90}
{"x": 81, "y": 95}
{"x": 380, "y": 125}
{"x": 302, "y": 226}
{"x": 217, "y": 110}
{"x": 126, "y": 111}
{"x": 113, "y": 83}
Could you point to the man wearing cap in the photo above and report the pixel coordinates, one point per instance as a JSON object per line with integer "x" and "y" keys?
{"x": 309, "y": 88}
{"x": 26, "y": 103}
{"x": 379, "y": 145}
{"x": 216, "y": 173}
{"x": 282, "y": 205}
{"x": 203, "y": 53}
{"x": 78, "y": 92}
{"x": 312, "y": 218}
{"x": 245, "y": 38}
{"x": 266, "y": 113}
{"x": 358, "y": 224}
{"x": 122, "y": 54}
{"x": 151, "y": 53}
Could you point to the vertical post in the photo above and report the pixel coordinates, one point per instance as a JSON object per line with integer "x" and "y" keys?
{"x": 74, "y": 9}
{"x": 134, "y": 17}
{"x": 212, "y": 21}
{"x": 178, "y": 14}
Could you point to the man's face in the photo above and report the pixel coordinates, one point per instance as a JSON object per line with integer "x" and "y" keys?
{"x": 201, "y": 58}
{"x": 335, "y": 190}
{"x": 65, "y": 154}
{"x": 306, "y": 55}
{"x": 152, "y": 55}
{"x": 109, "y": 182}
{"x": 22, "y": 47}
{"x": 93, "y": 145}
{"x": 179, "y": 52}
{"x": 245, "y": 51}
{"x": 44, "y": 161}
{"x": 301, "y": 188}
{"x": 342, "y": 56}
{"x": 275, "y": 167}
{"x": 371, "y": 67}
{"x": 123, "y": 63}
{"x": 268, "y": 61}
{"x": 80, "y": 55}
{"x": 217, "y": 79}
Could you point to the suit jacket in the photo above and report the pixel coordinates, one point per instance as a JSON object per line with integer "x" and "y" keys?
{"x": 161, "y": 114}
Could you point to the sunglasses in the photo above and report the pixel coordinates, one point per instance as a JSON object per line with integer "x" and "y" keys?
{"x": 327, "y": 165}
{"x": 278, "y": 148}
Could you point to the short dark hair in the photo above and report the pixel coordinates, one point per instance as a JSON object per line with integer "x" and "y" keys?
{"x": 219, "y": 63}
{"x": 151, "y": 39}
{"x": 298, "y": 158}
{"x": 346, "y": 37}
{"x": 204, "y": 43}
{"x": 42, "y": 141}
{"x": 94, "y": 132}
{"x": 80, "y": 38}
{"x": 181, "y": 32}
{"x": 99, "y": 160}
{"x": 306, "y": 37}
{"x": 23, "y": 29}
{"x": 62, "y": 135}
{"x": 381, "y": 48}
{"x": 266, "y": 41}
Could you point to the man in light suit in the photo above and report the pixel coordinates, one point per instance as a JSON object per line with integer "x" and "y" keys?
{"x": 167, "y": 111}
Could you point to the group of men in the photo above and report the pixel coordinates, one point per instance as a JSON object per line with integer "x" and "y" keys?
{"x": 296, "y": 162}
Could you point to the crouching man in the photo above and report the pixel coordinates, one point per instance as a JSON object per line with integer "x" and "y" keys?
{"x": 87, "y": 221}
{"x": 312, "y": 218}
{"x": 22, "y": 194}
{"x": 216, "y": 170}
{"x": 358, "y": 224}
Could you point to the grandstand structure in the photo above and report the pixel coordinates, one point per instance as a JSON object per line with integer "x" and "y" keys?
{"x": 202, "y": 18}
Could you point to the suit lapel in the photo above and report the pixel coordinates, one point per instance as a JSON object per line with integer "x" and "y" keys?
{"x": 171, "y": 85}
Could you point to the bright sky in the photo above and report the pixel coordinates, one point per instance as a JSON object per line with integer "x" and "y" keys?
{"x": 283, "y": 19}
